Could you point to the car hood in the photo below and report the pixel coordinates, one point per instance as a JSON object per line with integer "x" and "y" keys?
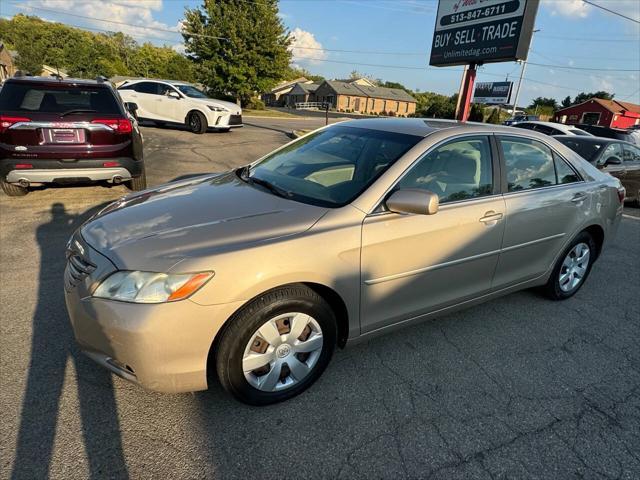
{"x": 233, "y": 108}
{"x": 155, "y": 229}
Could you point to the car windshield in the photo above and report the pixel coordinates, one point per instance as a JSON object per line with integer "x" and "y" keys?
{"x": 191, "y": 91}
{"x": 586, "y": 149}
{"x": 333, "y": 166}
{"x": 56, "y": 98}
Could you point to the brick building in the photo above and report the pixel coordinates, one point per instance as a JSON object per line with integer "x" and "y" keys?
{"x": 596, "y": 111}
{"x": 363, "y": 97}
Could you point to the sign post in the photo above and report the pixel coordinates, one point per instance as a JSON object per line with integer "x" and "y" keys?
{"x": 464, "y": 102}
{"x": 474, "y": 32}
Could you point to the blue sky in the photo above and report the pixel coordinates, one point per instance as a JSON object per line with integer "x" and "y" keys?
{"x": 572, "y": 34}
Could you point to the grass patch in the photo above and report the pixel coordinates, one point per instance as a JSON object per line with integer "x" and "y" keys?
{"x": 267, "y": 113}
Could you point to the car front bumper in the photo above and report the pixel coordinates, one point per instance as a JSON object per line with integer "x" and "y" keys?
{"x": 162, "y": 347}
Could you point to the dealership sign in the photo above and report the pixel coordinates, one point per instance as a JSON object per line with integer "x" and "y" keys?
{"x": 482, "y": 31}
{"x": 492, "y": 93}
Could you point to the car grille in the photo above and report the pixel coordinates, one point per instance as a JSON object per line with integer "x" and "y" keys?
{"x": 77, "y": 270}
{"x": 235, "y": 120}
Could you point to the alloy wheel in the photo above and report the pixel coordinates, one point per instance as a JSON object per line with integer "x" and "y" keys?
{"x": 282, "y": 352}
{"x": 574, "y": 267}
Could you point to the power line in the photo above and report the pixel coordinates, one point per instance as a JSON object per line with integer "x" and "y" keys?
{"x": 367, "y": 52}
{"x": 175, "y": 32}
{"x": 581, "y": 68}
{"x": 610, "y": 11}
{"x": 589, "y": 39}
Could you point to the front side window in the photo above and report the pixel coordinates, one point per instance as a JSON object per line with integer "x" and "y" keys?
{"x": 529, "y": 164}
{"x": 331, "y": 167}
{"x": 191, "y": 91}
{"x": 456, "y": 171}
{"x": 613, "y": 151}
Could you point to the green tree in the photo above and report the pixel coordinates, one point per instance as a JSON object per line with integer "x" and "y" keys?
{"x": 494, "y": 117}
{"x": 567, "y": 101}
{"x": 544, "y": 102}
{"x": 584, "y": 96}
{"x": 252, "y": 57}
{"x": 476, "y": 114}
{"x": 292, "y": 73}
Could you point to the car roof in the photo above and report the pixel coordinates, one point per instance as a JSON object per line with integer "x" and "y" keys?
{"x": 550, "y": 124}
{"x": 581, "y": 138}
{"x": 57, "y": 81}
{"x": 424, "y": 126}
{"x": 161, "y": 80}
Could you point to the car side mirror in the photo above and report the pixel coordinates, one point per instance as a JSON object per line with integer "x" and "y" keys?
{"x": 131, "y": 107}
{"x": 173, "y": 94}
{"x": 413, "y": 200}
{"x": 612, "y": 161}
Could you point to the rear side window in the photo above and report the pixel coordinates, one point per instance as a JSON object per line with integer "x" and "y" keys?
{"x": 531, "y": 164}
{"x": 146, "y": 87}
{"x": 26, "y": 97}
{"x": 631, "y": 153}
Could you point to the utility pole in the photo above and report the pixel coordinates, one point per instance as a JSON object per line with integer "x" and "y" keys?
{"x": 524, "y": 67}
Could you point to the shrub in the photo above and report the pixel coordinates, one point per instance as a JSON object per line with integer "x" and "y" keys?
{"x": 255, "y": 104}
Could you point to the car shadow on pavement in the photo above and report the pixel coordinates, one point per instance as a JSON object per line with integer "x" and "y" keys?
{"x": 52, "y": 347}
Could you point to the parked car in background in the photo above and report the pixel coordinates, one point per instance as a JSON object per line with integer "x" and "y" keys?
{"x": 167, "y": 101}
{"x": 521, "y": 118}
{"x": 628, "y": 135}
{"x": 66, "y": 131}
{"x": 368, "y": 225}
{"x": 552, "y": 129}
{"x": 620, "y": 159}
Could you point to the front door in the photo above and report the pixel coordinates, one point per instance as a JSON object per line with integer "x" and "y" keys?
{"x": 543, "y": 200}
{"x": 414, "y": 264}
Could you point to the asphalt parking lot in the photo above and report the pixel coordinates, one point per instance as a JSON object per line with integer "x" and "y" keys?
{"x": 517, "y": 388}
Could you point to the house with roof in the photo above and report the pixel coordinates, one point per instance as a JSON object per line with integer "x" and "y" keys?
{"x": 301, "y": 93}
{"x": 597, "y": 111}
{"x": 354, "y": 96}
{"x": 277, "y": 95}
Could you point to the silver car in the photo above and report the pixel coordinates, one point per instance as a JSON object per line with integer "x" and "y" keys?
{"x": 351, "y": 231}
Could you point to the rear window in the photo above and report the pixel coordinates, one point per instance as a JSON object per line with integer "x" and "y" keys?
{"x": 23, "y": 97}
{"x": 587, "y": 150}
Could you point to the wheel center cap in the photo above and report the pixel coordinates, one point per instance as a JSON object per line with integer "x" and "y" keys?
{"x": 283, "y": 350}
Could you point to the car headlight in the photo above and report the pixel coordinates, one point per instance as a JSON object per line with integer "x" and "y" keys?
{"x": 217, "y": 109}
{"x": 150, "y": 287}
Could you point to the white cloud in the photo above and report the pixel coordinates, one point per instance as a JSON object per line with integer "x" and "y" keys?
{"x": 567, "y": 8}
{"x": 602, "y": 83}
{"x": 137, "y": 15}
{"x": 304, "y": 44}
{"x": 179, "y": 47}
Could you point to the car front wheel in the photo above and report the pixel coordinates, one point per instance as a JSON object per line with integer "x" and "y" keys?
{"x": 276, "y": 346}
{"x": 573, "y": 268}
{"x": 196, "y": 122}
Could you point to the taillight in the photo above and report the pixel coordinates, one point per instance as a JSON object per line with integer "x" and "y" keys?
{"x": 621, "y": 194}
{"x": 6, "y": 122}
{"x": 120, "y": 125}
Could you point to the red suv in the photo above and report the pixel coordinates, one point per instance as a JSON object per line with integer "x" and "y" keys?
{"x": 66, "y": 131}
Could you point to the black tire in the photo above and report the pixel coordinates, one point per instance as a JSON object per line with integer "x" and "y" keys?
{"x": 12, "y": 190}
{"x": 553, "y": 289}
{"x": 246, "y": 322}
{"x": 196, "y": 122}
{"x": 137, "y": 183}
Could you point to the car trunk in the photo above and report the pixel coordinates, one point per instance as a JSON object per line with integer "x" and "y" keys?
{"x": 62, "y": 122}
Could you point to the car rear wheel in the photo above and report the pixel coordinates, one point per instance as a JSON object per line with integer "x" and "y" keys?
{"x": 276, "y": 346}
{"x": 137, "y": 183}
{"x": 13, "y": 190}
{"x": 573, "y": 268}
{"x": 197, "y": 122}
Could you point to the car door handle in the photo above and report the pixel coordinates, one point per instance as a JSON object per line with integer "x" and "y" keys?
{"x": 579, "y": 197}
{"x": 491, "y": 218}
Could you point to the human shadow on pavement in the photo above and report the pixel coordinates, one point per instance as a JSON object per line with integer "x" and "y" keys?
{"x": 52, "y": 346}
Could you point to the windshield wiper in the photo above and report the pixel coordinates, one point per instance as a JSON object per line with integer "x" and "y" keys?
{"x": 279, "y": 191}
{"x": 77, "y": 110}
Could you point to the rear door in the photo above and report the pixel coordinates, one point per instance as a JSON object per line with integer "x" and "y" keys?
{"x": 543, "y": 196}
{"x": 145, "y": 96}
{"x": 61, "y": 121}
